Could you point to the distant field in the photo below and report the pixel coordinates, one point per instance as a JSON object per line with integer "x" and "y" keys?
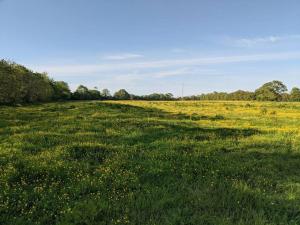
{"x": 137, "y": 162}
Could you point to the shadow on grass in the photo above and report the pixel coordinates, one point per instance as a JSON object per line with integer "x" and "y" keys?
{"x": 156, "y": 125}
{"x": 158, "y": 113}
{"x": 152, "y": 125}
{"x": 229, "y": 185}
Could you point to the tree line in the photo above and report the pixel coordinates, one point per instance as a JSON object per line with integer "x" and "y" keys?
{"x": 271, "y": 91}
{"x": 19, "y": 84}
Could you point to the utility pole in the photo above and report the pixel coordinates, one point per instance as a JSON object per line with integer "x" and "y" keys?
{"x": 182, "y": 89}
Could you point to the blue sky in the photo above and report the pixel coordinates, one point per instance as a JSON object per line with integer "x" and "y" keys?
{"x": 150, "y": 46}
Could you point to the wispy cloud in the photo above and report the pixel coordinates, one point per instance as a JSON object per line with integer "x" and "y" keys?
{"x": 140, "y": 75}
{"x": 171, "y": 73}
{"x": 122, "y": 56}
{"x": 130, "y": 77}
{"x": 80, "y": 69}
{"x": 179, "y": 72}
{"x": 250, "y": 42}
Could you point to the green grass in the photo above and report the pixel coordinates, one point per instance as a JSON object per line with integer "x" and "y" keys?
{"x": 138, "y": 162}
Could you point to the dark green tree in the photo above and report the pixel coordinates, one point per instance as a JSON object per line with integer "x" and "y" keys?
{"x": 18, "y": 84}
{"x": 241, "y": 95}
{"x": 61, "y": 90}
{"x": 81, "y": 93}
{"x": 122, "y": 94}
{"x": 95, "y": 94}
{"x": 271, "y": 91}
{"x": 105, "y": 93}
{"x": 295, "y": 94}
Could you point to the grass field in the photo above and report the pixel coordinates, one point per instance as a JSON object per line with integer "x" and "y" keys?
{"x": 136, "y": 162}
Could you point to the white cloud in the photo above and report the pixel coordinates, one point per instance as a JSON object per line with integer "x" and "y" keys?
{"x": 128, "y": 77}
{"x": 123, "y": 56}
{"x": 178, "y": 72}
{"x": 171, "y": 73}
{"x": 250, "y": 42}
{"x": 81, "y": 69}
{"x": 140, "y": 75}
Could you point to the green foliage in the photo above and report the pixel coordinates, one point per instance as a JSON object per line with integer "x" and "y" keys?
{"x": 95, "y": 94}
{"x": 271, "y": 91}
{"x": 150, "y": 163}
{"x": 12, "y": 85}
{"x": 106, "y": 94}
{"x": 61, "y": 90}
{"x": 20, "y": 85}
{"x": 156, "y": 97}
{"x": 237, "y": 95}
{"x": 285, "y": 97}
{"x": 295, "y": 94}
{"x": 122, "y": 94}
{"x": 83, "y": 93}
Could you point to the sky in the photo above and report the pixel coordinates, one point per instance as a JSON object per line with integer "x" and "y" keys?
{"x": 148, "y": 46}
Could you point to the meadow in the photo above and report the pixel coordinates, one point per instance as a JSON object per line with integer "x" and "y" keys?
{"x": 147, "y": 162}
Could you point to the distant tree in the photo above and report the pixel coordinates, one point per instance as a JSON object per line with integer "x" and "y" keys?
{"x": 214, "y": 96}
{"x": 169, "y": 96}
{"x": 12, "y": 89}
{"x": 19, "y": 84}
{"x": 61, "y": 90}
{"x": 95, "y": 94}
{"x": 105, "y": 93}
{"x": 156, "y": 97}
{"x": 295, "y": 95}
{"x": 39, "y": 88}
{"x": 285, "y": 97}
{"x": 241, "y": 95}
{"x": 81, "y": 93}
{"x": 271, "y": 91}
{"x": 122, "y": 94}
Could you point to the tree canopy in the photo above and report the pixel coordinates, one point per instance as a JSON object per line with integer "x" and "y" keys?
{"x": 122, "y": 94}
{"x": 295, "y": 94}
{"x": 271, "y": 91}
{"x": 19, "y": 84}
